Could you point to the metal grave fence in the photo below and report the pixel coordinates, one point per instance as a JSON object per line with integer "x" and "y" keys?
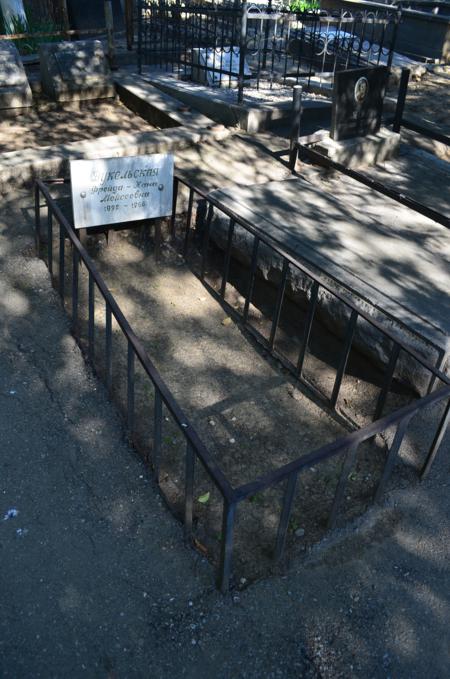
{"x": 242, "y": 47}
{"x": 195, "y": 452}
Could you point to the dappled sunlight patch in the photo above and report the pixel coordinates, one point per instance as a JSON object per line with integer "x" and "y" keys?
{"x": 13, "y": 301}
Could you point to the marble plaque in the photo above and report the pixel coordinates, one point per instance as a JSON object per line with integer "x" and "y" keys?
{"x": 119, "y": 190}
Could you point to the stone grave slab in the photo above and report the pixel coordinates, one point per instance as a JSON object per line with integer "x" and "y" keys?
{"x": 75, "y": 71}
{"x": 15, "y": 91}
{"x": 357, "y": 103}
{"x": 395, "y": 261}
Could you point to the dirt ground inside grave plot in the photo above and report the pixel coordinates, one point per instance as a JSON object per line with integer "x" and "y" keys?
{"x": 428, "y": 104}
{"x": 429, "y": 99}
{"x": 241, "y": 403}
{"x": 61, "y": 126}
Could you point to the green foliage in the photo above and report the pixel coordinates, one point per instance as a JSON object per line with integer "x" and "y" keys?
{"x": 29, "y": 45}
{"x": 299, "y": 6}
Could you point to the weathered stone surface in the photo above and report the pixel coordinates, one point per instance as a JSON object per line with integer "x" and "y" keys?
{"x": 396, "y": 269}
{"x": 361, "y": 151}
{"x": 15, "y": 91}
{"x": 75, "y": 71}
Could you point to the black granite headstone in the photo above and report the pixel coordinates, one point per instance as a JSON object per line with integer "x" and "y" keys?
{"x": 87, "y": 14}
{"x": 357, "y": 102}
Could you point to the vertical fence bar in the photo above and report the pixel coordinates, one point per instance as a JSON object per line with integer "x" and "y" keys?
{"x": 108, "y": 347}
{"x": 188, "y": 222}
{"x": 393, "y": 40}
{"x": 174, "y": 208}
{"x": 91, "y": 319}
{"x": 285, "y": 516}
{"x": 226, "y": 548}
{"x": 308, "y": 326}
{"x": 279, "y": 303}
{"x": 75, "y": 269}
{"x": 50, "y": 240}
{"x": 140, "y": 31}
{"x": 441, "y": 362}
{"x": 387, "y": 381}
{"x": 347, "y": 465}
{"x": 438, "y": 438}
{"x": 242, "y": 51}
{"x": 392, "y": 455}
{"x": 226, "y": 271}
{"x": 401, "y": 99}
{"x": 252, "y": 278}
{"x": 189, "y": 493}
{"x": 61, "y": 269}
{"x": 157, "y": 433}
{"x": 37, "y": 217}
{"x": 206, "y": 235}
{"x": 295, "y": 125}
{"x": 344, "y": 359}
{"x": 130, "y": 389}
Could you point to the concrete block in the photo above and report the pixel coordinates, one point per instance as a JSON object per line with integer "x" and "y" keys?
{"x": 390, "y": 260}
{"x": 75, "y": 71}
{"x": 216, "y": 104}
{"x": 15, "y": 91}
{"x": 361, "y": 151}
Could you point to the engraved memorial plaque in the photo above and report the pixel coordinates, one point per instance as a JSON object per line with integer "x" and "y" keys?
{"x": 357, "y": 107}
{"x": 118, "y": 190}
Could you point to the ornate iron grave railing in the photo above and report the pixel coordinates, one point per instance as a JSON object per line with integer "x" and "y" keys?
{"x": 249, "y": 45}
{"x": 344, "y": 448}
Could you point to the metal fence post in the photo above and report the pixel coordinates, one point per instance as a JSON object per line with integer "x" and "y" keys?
{"x": 37, "y": 217}
{"x": 401, "y": 98}
{"x": 140, "y": 29}
{"x": 129, "y": 23}
{"x": 109, "y": 21}
{"x": 242, "y": 51}
{"x": 266, "y": 35}
{"x": 296, "y": 117}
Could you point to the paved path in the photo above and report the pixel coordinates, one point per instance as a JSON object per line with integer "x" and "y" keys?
{"x": 94, "y": 579}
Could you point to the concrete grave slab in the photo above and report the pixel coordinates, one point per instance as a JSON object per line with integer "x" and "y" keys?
{"x": 74, "y": 71}
{"x": 15, "y": 91}
{"x": 361, "y": 151}
{"x": 393, "y": 260}
{"x": 220, "y": 103}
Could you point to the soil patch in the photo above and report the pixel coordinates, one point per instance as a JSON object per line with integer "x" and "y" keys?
{"x": 61, "y": 126}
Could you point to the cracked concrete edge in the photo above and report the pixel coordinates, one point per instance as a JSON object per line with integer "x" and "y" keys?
{"x": 23, "y": 166}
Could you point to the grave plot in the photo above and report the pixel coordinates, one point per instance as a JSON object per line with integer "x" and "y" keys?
{"x": 42, "y": 127}
{"x": 241, "y": 400}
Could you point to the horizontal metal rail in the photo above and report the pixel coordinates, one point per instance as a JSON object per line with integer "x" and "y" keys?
{"x": 340, "y": 445}
{"x": 345, "y": 446}
{"x": 426, "y": 131}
